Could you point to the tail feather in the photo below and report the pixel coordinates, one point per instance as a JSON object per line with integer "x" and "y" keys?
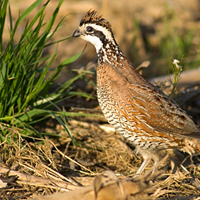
{"x": 192, "y": 146}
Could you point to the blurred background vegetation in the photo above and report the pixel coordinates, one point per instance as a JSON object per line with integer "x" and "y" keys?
{"x": 145, "y": 30}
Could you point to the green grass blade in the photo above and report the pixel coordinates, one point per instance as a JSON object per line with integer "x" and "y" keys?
{"x": 72, "y": 59}
{"x": 65, "y": 127}
{"x": 26, "y": 12}
{"x": 51, "y": 21}
{"x": 10, "y": 18}
{"x": 3, "y": 9}
{"x": 41, "y": 83}
{"x": 58, "y": 41}
{"x": 2, "y": 74}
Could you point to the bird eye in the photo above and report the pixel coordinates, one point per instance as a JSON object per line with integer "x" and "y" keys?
{"x": 89, "y": 29}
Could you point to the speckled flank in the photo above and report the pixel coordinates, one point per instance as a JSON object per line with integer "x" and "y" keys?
{"x": 139, "y": 111}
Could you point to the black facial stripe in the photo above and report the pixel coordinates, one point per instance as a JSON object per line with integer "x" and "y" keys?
{"x": 101, "y": 36}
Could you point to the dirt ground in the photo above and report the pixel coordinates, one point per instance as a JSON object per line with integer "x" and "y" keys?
{"x": 34, "y": 167}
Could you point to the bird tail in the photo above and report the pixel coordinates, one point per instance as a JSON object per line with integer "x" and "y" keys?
{"x": 192, "y": 146}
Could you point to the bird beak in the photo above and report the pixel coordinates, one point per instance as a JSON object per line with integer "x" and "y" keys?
{"x": 77, "y": 33}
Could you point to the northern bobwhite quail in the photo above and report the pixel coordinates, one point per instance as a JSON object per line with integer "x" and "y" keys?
{"x": 138, "y": 110}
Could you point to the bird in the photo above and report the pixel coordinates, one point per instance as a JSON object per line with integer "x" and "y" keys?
{"x": 139, "y": 111}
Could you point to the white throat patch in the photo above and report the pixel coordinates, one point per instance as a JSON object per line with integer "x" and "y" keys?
{"x": 94, "y": 40}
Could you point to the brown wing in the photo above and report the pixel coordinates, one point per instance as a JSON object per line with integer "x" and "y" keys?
{"x": 150, "y": 105}
{"x": 164, "y": 115}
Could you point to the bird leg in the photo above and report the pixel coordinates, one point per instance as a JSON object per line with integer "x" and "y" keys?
{"x": 144, "y": 164}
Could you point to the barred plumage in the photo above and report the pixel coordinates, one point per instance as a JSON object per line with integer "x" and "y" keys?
{"x": 139, "y": 111}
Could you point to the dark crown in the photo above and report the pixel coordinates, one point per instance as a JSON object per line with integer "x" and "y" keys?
{"x": 92, "y": 17}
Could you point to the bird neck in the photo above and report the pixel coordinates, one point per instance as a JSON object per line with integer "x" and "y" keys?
{"x": 110, "y": 52}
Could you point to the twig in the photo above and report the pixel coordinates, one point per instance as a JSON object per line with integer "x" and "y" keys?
{"x": 38, "y": 181}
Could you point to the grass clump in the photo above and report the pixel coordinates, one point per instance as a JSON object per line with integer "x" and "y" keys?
{"x": 24, "y": 84}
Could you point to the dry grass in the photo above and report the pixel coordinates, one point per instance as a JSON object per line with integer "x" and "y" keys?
{"x": 42, "y": 167}
{"x": 31, "y": 167}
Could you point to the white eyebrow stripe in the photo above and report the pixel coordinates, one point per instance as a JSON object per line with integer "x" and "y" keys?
{"x": 104, "y": 30}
